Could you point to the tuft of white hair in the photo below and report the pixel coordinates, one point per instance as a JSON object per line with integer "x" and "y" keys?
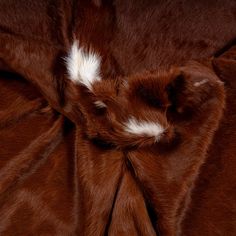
{"x": 100, "y": 104}
{"x": 199, "y": 83}
{"x": 83, "y": 67}
{"x": 147, "y": 128}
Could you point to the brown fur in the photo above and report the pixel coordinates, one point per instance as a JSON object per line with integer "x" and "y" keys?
{"x": 66, "y": 167}
{"x": 164, "y": 171}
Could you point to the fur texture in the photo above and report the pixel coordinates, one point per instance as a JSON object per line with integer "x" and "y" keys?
{"x": 68, "y": 166}
{"x": 140, "y": 127}
{"x": 83, "y": 67}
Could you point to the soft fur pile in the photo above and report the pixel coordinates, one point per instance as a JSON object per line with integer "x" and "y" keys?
{"x": 117, "y": 118}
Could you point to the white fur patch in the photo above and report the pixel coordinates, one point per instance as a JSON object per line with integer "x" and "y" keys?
{"x": 100, "y": 104}
{"x": 147, "y": 128}
{"x": 83, "y": 67}
{"x": 197, "y": 84}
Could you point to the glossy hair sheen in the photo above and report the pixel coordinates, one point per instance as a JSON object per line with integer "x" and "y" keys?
{"x": 147, "y": 148}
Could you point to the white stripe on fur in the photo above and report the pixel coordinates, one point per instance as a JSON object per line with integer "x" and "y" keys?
{"x": 100, "y": 104}
{"x": 147, "y": 128}
{"x": 83, "y": 67}
{"x": 199, "y": 83}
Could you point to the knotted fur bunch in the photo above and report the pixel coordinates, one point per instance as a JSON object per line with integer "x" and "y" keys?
{"x": 163, "y": 122}
{"x": 146, "y": 108}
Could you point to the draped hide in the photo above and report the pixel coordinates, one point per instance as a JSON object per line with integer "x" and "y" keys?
{"x": 68, "y": 168}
